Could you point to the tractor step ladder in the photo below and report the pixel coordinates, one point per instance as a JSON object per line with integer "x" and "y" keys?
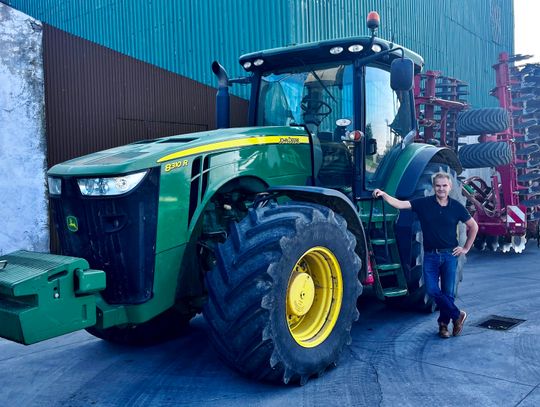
{"x": 379, "y": 222}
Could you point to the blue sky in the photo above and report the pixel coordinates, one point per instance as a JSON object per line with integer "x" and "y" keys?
{"x": 527, "y": 28}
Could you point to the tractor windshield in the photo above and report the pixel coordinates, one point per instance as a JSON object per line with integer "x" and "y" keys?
{"x": 314, "y": 97}
{"x": 322, "y": 99}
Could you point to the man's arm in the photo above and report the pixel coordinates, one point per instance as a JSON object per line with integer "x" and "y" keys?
{"x": 396, "y": 203}
{"x": 472, "y": 230}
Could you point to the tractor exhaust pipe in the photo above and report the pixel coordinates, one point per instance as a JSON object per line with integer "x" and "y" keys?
{"x": 222, "y": 96}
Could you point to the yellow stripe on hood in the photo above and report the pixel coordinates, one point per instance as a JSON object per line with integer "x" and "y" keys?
{"x": 242, "y": 142}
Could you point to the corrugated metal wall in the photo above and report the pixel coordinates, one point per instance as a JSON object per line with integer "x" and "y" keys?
{"x": 462, "y": 38}
{"x": 97, "y": 98}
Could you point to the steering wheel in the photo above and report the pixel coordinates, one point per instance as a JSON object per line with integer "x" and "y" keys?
{"x": 313, "y": 106}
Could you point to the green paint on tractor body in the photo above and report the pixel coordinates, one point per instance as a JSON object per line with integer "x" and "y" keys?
{"x": 141, "y": 226}
{"x": 188, "y": 171}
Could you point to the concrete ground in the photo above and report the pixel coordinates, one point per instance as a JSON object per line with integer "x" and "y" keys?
{"x": 395, "y": 358}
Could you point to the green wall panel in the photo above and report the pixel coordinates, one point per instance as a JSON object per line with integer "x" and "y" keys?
{"x": 462, "y": 38}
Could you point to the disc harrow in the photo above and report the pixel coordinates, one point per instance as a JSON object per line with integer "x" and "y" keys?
{"x": 506, "y": 206}
{"x": 524, "y": 104}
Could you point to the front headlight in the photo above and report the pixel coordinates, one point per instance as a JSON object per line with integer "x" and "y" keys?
{"x": 55, "y": 186}
{"x": 110, "y": 186}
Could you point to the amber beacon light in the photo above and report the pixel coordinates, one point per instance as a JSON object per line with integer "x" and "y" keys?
{"x": 373, "y": 20}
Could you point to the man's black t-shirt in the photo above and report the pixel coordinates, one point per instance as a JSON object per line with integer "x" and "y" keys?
{"x": 439, "y": 223}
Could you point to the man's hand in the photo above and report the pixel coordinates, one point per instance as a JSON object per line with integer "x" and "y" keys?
{"x": 459, "y": 250}
{"x": 378, "y": 193}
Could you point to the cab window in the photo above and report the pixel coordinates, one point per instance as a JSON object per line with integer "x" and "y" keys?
{"x": 388, "y": 119}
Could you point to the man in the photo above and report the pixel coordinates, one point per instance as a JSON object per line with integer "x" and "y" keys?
{"x": 439, "y": 216}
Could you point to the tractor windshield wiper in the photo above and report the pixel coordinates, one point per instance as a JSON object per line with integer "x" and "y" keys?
{"x": 323, "y": 86}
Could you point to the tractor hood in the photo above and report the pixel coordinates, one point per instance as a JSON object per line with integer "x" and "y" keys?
{"x": 151, "y": 153}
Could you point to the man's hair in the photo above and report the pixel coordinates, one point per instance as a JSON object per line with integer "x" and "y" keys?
{"x": 440, "y": 174}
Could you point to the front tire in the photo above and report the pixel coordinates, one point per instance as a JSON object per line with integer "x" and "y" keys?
{"x": 282, "y": 298}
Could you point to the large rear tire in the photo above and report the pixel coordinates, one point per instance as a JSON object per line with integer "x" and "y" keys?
{"x": 282, "y": 298}
{"x": 413, "y": 245}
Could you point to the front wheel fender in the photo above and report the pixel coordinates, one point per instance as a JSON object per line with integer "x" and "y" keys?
{"x": 340, "y": 204}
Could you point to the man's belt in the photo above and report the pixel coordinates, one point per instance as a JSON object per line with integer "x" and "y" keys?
{"x": 439, "y": 251}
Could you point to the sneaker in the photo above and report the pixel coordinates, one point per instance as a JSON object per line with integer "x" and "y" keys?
{"x": 458, "y": 323}
{"x": 443, "y": 331}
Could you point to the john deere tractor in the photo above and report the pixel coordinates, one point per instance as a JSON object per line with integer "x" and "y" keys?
{"x": 268, "y": 230}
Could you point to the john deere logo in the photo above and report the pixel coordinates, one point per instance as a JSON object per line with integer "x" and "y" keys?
{"x": 72, "y": 223}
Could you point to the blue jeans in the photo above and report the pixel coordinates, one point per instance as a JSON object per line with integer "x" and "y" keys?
{"x": 443, "y": 266}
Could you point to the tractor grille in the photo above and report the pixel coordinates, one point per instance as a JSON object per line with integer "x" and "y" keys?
{"x": 115, "y": 234}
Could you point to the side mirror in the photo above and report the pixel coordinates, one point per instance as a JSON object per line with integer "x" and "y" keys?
{"x": 402, "y": 74}
{"x": 371, "y": 146}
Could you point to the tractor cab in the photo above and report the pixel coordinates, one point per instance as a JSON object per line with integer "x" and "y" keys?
{"x": 354, "y": 97}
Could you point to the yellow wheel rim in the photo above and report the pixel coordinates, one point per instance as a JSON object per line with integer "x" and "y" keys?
{"x": 314, "y": 296}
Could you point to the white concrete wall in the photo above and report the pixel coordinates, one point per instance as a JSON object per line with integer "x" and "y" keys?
{"x": 23, "y": 202}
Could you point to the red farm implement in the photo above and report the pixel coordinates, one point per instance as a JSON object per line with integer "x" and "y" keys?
{"x": 502, "y": 177}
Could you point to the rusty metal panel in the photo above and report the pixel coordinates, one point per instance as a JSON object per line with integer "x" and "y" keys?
{"x": 97, "y": 98}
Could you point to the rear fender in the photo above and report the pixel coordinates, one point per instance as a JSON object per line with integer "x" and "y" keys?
{"x": 413, "y": 168}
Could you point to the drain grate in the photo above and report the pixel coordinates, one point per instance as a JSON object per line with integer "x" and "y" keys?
{"x": 500, "y": 323}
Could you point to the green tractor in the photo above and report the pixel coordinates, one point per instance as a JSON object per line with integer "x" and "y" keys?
{"x": 269, "y": 230}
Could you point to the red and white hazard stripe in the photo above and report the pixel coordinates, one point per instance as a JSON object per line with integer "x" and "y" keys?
{"x": 515, "y": 215}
